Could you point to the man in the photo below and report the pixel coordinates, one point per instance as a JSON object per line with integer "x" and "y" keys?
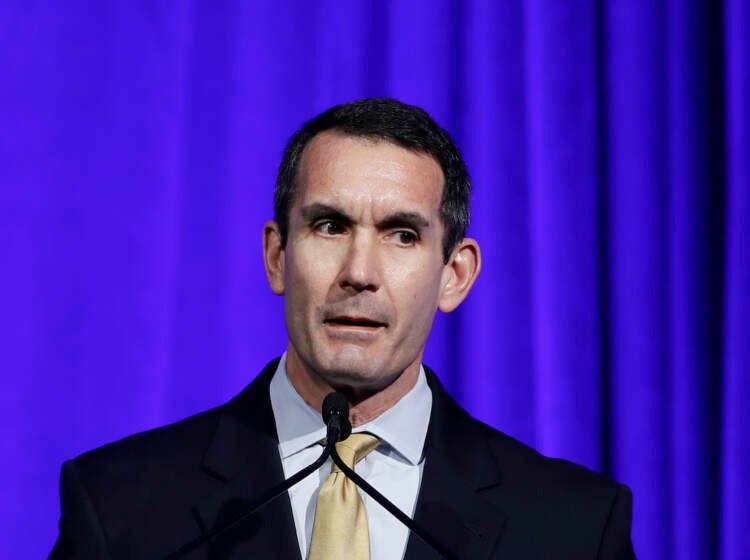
{"x": 371, "y": 209}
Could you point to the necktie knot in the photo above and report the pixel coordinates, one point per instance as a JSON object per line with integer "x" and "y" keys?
{"x": 354, "y": 448}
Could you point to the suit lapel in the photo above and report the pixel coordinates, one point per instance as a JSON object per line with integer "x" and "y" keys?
{"x": 244, "y": 456}
{"x": 459, "y": 468}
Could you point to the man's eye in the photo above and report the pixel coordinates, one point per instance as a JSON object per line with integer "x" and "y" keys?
{"x": 405, "y": 237}
{"x": 329, "y": 227}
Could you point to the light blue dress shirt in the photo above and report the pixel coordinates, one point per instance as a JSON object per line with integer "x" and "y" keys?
{"x": 394, "y": 468}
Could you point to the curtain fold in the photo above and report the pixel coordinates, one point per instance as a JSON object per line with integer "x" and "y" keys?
{"x": 608, "y": 145}
{"x": 735, "y": 419}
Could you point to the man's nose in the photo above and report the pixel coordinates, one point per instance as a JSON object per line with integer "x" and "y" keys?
{"x": 361, "y": 268}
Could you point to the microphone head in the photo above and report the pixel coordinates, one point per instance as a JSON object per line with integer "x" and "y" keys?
{"x": 336, "y": 405}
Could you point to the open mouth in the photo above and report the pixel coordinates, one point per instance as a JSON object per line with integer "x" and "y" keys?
{"x": 354, "y": 322}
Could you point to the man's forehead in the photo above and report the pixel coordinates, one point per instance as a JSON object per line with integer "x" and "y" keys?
{"x": 334, "y": 134}
{"x": 364, "y": 169}
{"x": 331, "y": 143}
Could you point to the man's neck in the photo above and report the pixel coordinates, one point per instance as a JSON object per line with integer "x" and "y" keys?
{"x": 313, "y": 389}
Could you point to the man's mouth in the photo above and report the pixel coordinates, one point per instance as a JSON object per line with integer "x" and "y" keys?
{"x": 354, "y": 322}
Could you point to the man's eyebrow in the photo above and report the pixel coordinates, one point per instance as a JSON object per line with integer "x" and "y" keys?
{"x": 413, "y": 220}
{"x": 318, "y": 210}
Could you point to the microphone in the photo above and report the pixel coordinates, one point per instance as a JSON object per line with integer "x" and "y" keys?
{"x": 336, "y": 416}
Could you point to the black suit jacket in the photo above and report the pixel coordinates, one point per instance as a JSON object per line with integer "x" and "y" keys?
{"x": 484, "y": 495}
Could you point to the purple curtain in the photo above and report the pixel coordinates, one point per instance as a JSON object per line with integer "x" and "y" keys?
{"x": 609, "y": 145}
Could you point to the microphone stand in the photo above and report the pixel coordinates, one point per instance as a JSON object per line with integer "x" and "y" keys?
{"x": 391, "y": 508}
{"x": 336, "y": 417}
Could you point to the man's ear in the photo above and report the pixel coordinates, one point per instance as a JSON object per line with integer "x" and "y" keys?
{"x": 273, "y": 256}
{"x": 459, "y": 274}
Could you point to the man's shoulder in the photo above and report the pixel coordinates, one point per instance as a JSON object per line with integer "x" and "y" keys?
{"x": 521, "y": 465}
{"x": 184, "y": 442}
{"x": 517, "y": 464}
{"x": 579, "y": 511}
{"x": 165, "y": 449}
{"x": 141, "y": 491}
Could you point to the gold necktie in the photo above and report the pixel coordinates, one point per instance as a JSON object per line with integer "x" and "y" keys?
{"x": 340, "y": 526}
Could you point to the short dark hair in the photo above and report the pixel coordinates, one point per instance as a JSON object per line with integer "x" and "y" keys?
{"x": 388, "y": 120}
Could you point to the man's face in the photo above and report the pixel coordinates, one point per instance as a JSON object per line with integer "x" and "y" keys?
{"x": 362, "y": 271}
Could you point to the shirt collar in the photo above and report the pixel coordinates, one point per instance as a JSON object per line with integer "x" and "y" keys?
{"x": 402, "y": 427}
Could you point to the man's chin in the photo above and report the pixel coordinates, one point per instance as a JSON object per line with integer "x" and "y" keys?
{"x": 350, "y": 368}
{"x": 350, "y": 375}
{"x": 351, "y": 361}
{"x": 356, "y": 376}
